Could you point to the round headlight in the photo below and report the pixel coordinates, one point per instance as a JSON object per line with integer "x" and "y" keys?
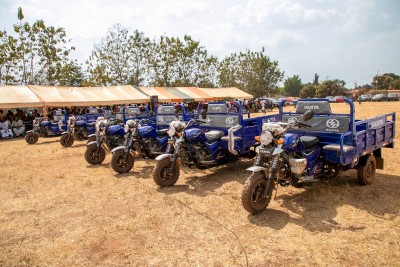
{"x": 131, "y": 123}
{"x": 266, "y": 138}
{"x": 171, "y": 131}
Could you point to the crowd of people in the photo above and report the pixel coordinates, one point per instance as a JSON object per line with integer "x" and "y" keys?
{"x": 12, "y": 123}
{"x": 15, "y": 124}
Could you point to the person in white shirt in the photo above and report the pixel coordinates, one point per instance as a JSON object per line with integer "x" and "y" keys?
{"x": 5, "y": 128}
{"x": 18, "y": 126}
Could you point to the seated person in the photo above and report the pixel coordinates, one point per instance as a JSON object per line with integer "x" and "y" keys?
{"x": 18, "y": 127}
{"x": 5, "y": 128}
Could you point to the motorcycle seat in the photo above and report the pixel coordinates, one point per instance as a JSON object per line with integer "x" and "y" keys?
{"x": 162, "y": 132}
{"x": 309, "y": 141}
{"x": 214, "y": 135}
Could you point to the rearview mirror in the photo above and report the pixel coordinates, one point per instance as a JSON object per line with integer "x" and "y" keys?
{"x": 308, "y": 115}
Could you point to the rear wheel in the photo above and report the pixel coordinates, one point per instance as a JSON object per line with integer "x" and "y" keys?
{"x": 118, "y": 162}
{"x": 31, "y": 138}
{"x": 91, "y": 155}
{"x": 366, "y": 172}
{"x": 161, "y": 173}
{"x": 67, "y": 140}
{"x": 253, "y": 199}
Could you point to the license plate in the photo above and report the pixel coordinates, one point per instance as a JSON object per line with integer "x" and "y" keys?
{"x": 265, "y": 151}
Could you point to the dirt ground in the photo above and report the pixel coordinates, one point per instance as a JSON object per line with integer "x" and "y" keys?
{"x": 56, "y": 210}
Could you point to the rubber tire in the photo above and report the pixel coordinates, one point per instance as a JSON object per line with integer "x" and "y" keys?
{"x": 90, "y": 150}
{"x": 116, "y": 164}
{"x": 31, "y": 138}
{"x": 91, "y": 139}
{"x": 366, "y": 172}
{"x": 253, "y": 182}
{"x": 65, "y": 142}
{"x": 160, "y": 168}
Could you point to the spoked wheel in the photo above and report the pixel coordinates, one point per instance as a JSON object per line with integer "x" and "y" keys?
{"x": 119, "y": 164}
{"x": 161, "y": 173}
{"x": 366, "y": 172}
{"x": 91, "y": 155}
{"x": 31, "y": 138}
{"x": 253, "y": 199}
{"x": 67, "y": 140}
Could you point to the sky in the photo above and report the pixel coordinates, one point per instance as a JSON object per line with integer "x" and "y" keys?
{"x": 351, "y": 40}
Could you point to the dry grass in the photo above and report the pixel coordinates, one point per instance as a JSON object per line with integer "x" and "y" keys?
{"x": 55, "y": 210}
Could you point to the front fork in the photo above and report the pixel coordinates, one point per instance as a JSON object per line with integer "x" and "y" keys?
{"x": 174, "y": 158}
{"x": 272, "y": 174}
{"x": 99, "y": 143}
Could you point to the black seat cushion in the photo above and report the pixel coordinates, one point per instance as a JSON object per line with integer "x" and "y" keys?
{"x": 214, "y": 135}
{"x": 309, "y": 141}
{"x": 162, "y": 132}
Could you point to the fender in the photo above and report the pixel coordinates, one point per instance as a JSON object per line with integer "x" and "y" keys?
{"x": 117, "y": 148}
{"x": 64, "y": 133}
{"x": 91, "y": 143}
{"x": 30, "y": 131}
{"x": 258, "y": 169}
{"x": 90, "y": 135}
{"x": 164, "y": 156}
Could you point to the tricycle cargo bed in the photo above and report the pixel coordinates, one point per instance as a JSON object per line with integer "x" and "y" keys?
{"x": 343, "y": 138}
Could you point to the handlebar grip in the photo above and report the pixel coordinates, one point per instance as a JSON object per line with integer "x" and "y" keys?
{"x": 304, "y": 125}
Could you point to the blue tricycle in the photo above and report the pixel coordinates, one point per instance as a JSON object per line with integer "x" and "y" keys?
{"x": 44, "y": 127}
{"x": 314, "y": 143}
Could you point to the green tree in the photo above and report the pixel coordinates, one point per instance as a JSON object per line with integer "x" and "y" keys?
{"x": 330, "y": 88}
{"x": 72, "y": 75}
{"x": 308, "y": 90}
{"x": 382, "y": 82}
{"x": 250, "y": 71}
{"x": 110, "y": 60}
{"x": 293, "y": 86}
{"x": 395, "y": 84}
{"x": 43, "y": 51}
{"x": 8, "y": 59}
{"x": 316, "y": 79}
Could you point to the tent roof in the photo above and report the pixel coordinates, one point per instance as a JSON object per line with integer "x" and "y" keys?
{"x": 195, "y": 93}
{"x": 18, "y": 97}
{"x": 163, "y": 94}
{"x": 86, "y": 96}
{"x": 230, "y": 92}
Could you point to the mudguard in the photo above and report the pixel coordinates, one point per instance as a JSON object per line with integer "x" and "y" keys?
{"x": 64, "y": 133}
{"x": 90, "y": 135}
{"x": 30, "y": 131}
{"x": 258, "y": 169}
{"x": 91, "y": 143}
{"x": 163, "y": 156}
{"x": 117, "y": 148}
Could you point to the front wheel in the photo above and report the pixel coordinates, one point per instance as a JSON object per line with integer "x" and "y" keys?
{"x": 31, "y": 138}
{"x": 162, "y": 175}
{"x": 67, "y": 140}
{"x": 253, "y": 199}
{"x": 91, "y": 155}
{"x": 118, "y": 162}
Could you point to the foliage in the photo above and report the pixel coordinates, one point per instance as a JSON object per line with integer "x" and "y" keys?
{"x": 39, "y": 55}
{"x": 250, "y": 71}
{"x": 330, "y": 88}
{"x": 386, "y": 81}
{"x": 293, "y": 86}
{"x": 308, "y": 90}
{"x": 316, "y": 79}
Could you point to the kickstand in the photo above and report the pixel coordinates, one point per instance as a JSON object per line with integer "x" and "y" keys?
{"x": 276, "y": 190}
